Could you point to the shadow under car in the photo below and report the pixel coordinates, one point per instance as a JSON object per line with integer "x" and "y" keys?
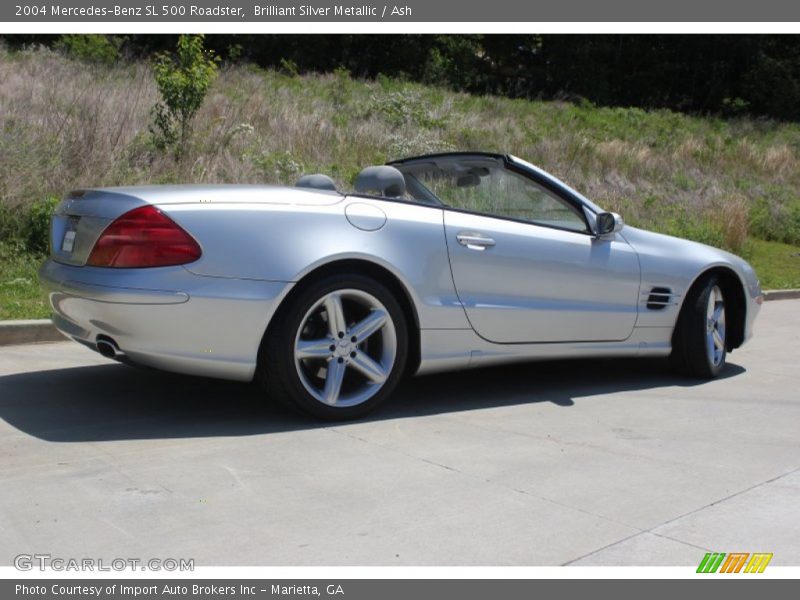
{"x": 117, "y": 402}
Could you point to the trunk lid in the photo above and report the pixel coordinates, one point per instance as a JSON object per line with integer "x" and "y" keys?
{"x": 83, "y": 215}
{"x": 80, "y": 218}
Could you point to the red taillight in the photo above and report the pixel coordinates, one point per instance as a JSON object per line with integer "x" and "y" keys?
{"x": 143, "y": 237}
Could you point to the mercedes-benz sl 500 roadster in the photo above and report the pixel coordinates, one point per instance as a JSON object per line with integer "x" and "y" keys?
{"x": 434, "y": 263}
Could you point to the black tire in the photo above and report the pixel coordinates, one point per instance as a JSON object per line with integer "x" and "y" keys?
{"x": 278, "y": 373}
{"x": 690, "y": 352}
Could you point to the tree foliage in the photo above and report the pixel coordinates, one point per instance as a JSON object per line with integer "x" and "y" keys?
{"x": 183, "y": 79}
{"x": 731, "y": 75}
{"x": 91, "y": 47}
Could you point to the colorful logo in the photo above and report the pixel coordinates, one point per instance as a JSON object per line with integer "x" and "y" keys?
{"x": 735, "y": 562}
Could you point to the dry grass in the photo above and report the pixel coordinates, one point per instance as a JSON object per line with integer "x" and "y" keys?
{"x": 734, "y": 215}
{"x": 66, "y": 124}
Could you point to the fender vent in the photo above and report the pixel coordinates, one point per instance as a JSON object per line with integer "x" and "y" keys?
{"x": 659, "y": 298}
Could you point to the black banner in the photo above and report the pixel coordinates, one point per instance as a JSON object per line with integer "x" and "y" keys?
{"x": 464, "y": 11}
{"x": 738, "y": 588}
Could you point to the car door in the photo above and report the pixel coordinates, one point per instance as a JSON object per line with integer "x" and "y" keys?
{"x": 523, "y": 282}
{"x": 525, "y": 264}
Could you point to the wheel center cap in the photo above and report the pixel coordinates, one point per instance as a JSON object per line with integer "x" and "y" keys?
{"x": 343, "y": 348}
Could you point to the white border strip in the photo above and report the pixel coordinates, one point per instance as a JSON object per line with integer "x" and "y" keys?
{"x": 384, "y": 27}
{"x": 340, "y": 573}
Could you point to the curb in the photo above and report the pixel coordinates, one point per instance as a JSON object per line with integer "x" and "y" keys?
{"x": 28, "y": 332}
{"x": 781, "y": 294}
{"x": 36, "y": 331}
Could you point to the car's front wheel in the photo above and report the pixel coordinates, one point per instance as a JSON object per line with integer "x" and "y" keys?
{"x": 339, "y": 348}
{"x": 699, "y": 341}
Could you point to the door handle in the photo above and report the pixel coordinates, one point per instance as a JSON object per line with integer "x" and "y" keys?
{"x": 474, "y": 240}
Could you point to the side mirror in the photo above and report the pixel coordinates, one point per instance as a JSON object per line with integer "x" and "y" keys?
{"x": 607, "y": 224}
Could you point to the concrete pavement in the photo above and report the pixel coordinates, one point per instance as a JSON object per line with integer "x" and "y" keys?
{"x": 591, "y": 462}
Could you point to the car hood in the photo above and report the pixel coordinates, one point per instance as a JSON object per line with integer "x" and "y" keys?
{"x": 653, "y": 245}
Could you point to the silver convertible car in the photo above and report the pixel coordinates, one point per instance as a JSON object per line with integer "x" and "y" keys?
{"x": 433, "y": 263}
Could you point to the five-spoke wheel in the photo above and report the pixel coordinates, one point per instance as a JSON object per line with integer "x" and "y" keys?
{"x": 339, "y": 348}
{"x": 345, "y": 347}
{"x": 699, "y": 346}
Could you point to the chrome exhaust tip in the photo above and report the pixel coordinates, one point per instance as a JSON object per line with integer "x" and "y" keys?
{"x": 108, "y": 348}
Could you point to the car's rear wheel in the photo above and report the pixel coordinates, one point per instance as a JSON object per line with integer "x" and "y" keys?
{"x": 699, "y": 342}
{"x": 339, "y": 348}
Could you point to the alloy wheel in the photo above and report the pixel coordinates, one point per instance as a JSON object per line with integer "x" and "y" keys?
{"x": 345, "y": 348}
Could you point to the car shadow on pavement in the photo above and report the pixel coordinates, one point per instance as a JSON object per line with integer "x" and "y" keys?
{"x": 117, "y": 402}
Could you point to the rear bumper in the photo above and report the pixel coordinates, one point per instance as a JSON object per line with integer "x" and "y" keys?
{"x": 167, "y": 317}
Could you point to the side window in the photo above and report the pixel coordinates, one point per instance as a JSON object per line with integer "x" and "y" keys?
{"x": 499, "y": 192}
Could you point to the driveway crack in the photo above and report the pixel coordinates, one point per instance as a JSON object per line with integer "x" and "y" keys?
{"x": 681, "y": 516}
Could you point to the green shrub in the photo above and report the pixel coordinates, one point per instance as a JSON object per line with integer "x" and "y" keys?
{"x": 401, "y": 108}
{"x": 183, "y": 80}
{"x": 340, "y": 91}
{"x": 36, "y": 225}
{"x": 10, "y": 225}
{"x": 278, "y": 167}
{"x": 27, "y": 228}
{"x": 91, "y": 47}
{"x": 776, "y": 219}
{"x": 289, "y": 68}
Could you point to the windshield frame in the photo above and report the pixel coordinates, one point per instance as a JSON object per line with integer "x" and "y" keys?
{"x": 584, "y": 208}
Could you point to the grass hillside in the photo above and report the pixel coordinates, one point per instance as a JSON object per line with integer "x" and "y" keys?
{"x": 66, "y": 124}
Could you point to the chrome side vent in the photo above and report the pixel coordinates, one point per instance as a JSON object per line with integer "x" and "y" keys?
{"x": 659, "y": 298}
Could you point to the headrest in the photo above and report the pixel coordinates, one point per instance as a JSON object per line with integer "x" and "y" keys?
{"x": 386, "y": 181}
{"x": 317, "y": 182}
